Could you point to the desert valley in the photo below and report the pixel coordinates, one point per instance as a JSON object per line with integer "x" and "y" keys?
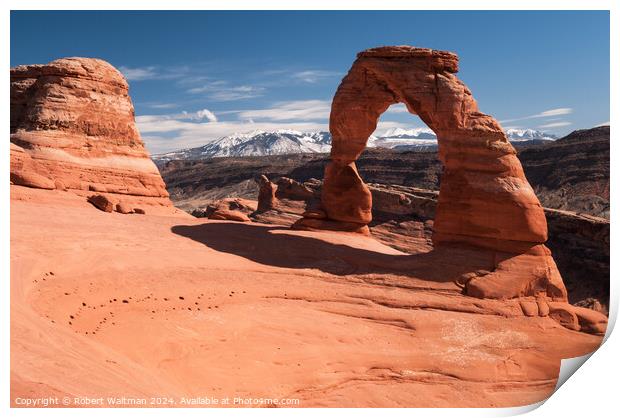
{"x": 459, "y": 276}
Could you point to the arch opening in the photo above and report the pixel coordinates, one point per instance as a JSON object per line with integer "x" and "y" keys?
{"x": 401, "y": 168}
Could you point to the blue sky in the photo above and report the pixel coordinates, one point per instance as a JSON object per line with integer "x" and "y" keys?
{"x": 196, "y": 76}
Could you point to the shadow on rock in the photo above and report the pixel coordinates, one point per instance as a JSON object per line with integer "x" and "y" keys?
{"x": 280, "y": 247}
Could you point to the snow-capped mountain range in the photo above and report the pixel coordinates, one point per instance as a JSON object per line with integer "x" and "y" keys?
{"x": 518, "y": 135}
{"x": 260, "y": 143}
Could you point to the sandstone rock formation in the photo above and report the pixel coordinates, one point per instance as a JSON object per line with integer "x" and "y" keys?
{"x": 123, "y": 208}
{"x": 291, "y": 189}
{"x": 232, "y": 209}
{"x": 73, "y": 128}
{"x": 400, "y": 201}
{"x": 266, "y": 194}
{"x": 229, "y": 215}
{"x": 101, "y": 202}
{"x": 25, "y": 170}
{"x": 485, "y": 199}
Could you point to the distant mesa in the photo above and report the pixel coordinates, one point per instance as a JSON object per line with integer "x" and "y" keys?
{"x": 73, "y": 129}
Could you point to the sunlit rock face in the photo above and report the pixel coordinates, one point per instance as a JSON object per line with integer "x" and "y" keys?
{"x": 73, "y": 128}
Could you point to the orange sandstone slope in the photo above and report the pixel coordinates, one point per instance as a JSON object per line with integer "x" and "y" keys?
{"x": 116, "y": 305}
{"x": 105, "y": 304}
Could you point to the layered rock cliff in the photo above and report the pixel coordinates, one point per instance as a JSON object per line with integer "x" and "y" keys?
{"x": 572, "y": 173}
{"x": 73, "y": 128}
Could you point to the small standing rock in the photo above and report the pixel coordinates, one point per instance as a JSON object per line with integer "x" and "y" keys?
{"x": 266, "y": 194}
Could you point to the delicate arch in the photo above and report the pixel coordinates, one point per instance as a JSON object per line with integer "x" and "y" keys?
{"x": 484, "y": 193}
{"x": 484, "y": 198}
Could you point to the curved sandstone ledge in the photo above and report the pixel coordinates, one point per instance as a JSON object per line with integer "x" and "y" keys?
{"x": 65, "y": 145}
{"x": 113, "y": 161}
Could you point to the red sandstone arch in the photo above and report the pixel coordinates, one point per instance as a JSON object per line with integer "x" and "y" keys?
{"x": 485, "y": 199}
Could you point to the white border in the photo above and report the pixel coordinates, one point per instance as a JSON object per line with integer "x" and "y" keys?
{"x": 591, "y": 392}
{"x": 312, "y": 5}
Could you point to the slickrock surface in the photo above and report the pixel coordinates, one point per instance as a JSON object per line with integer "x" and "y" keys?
{"x": 484, "y": 199}
{"x": 163, "y": 306}
{"x": 73, "y": 128}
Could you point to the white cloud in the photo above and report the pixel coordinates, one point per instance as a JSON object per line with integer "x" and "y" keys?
{"x": 208, "y": 87}
{"x": 603, "y": 124}
{"x": 555, "y": 125}
{"x": 313, "y": 76}
{"x": 169, "y": 122}
{"x": 162, "y": 105}
{"x": 154, "y": 73}
{"x": 294, "y": 110}
{"x": 545, "y": 114}
{"x": 206, "y": 114}
{"x": 222, "y": 91}
{"x": 303, "y": 114}
{"x": 554, "y": 112}
{"x": 397, "y": 108}
{"x": 236, "y": 93}
{"x": 384, "y": 126}
{"x": 138, "y": 73}
{"x": 190, "y": 80}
